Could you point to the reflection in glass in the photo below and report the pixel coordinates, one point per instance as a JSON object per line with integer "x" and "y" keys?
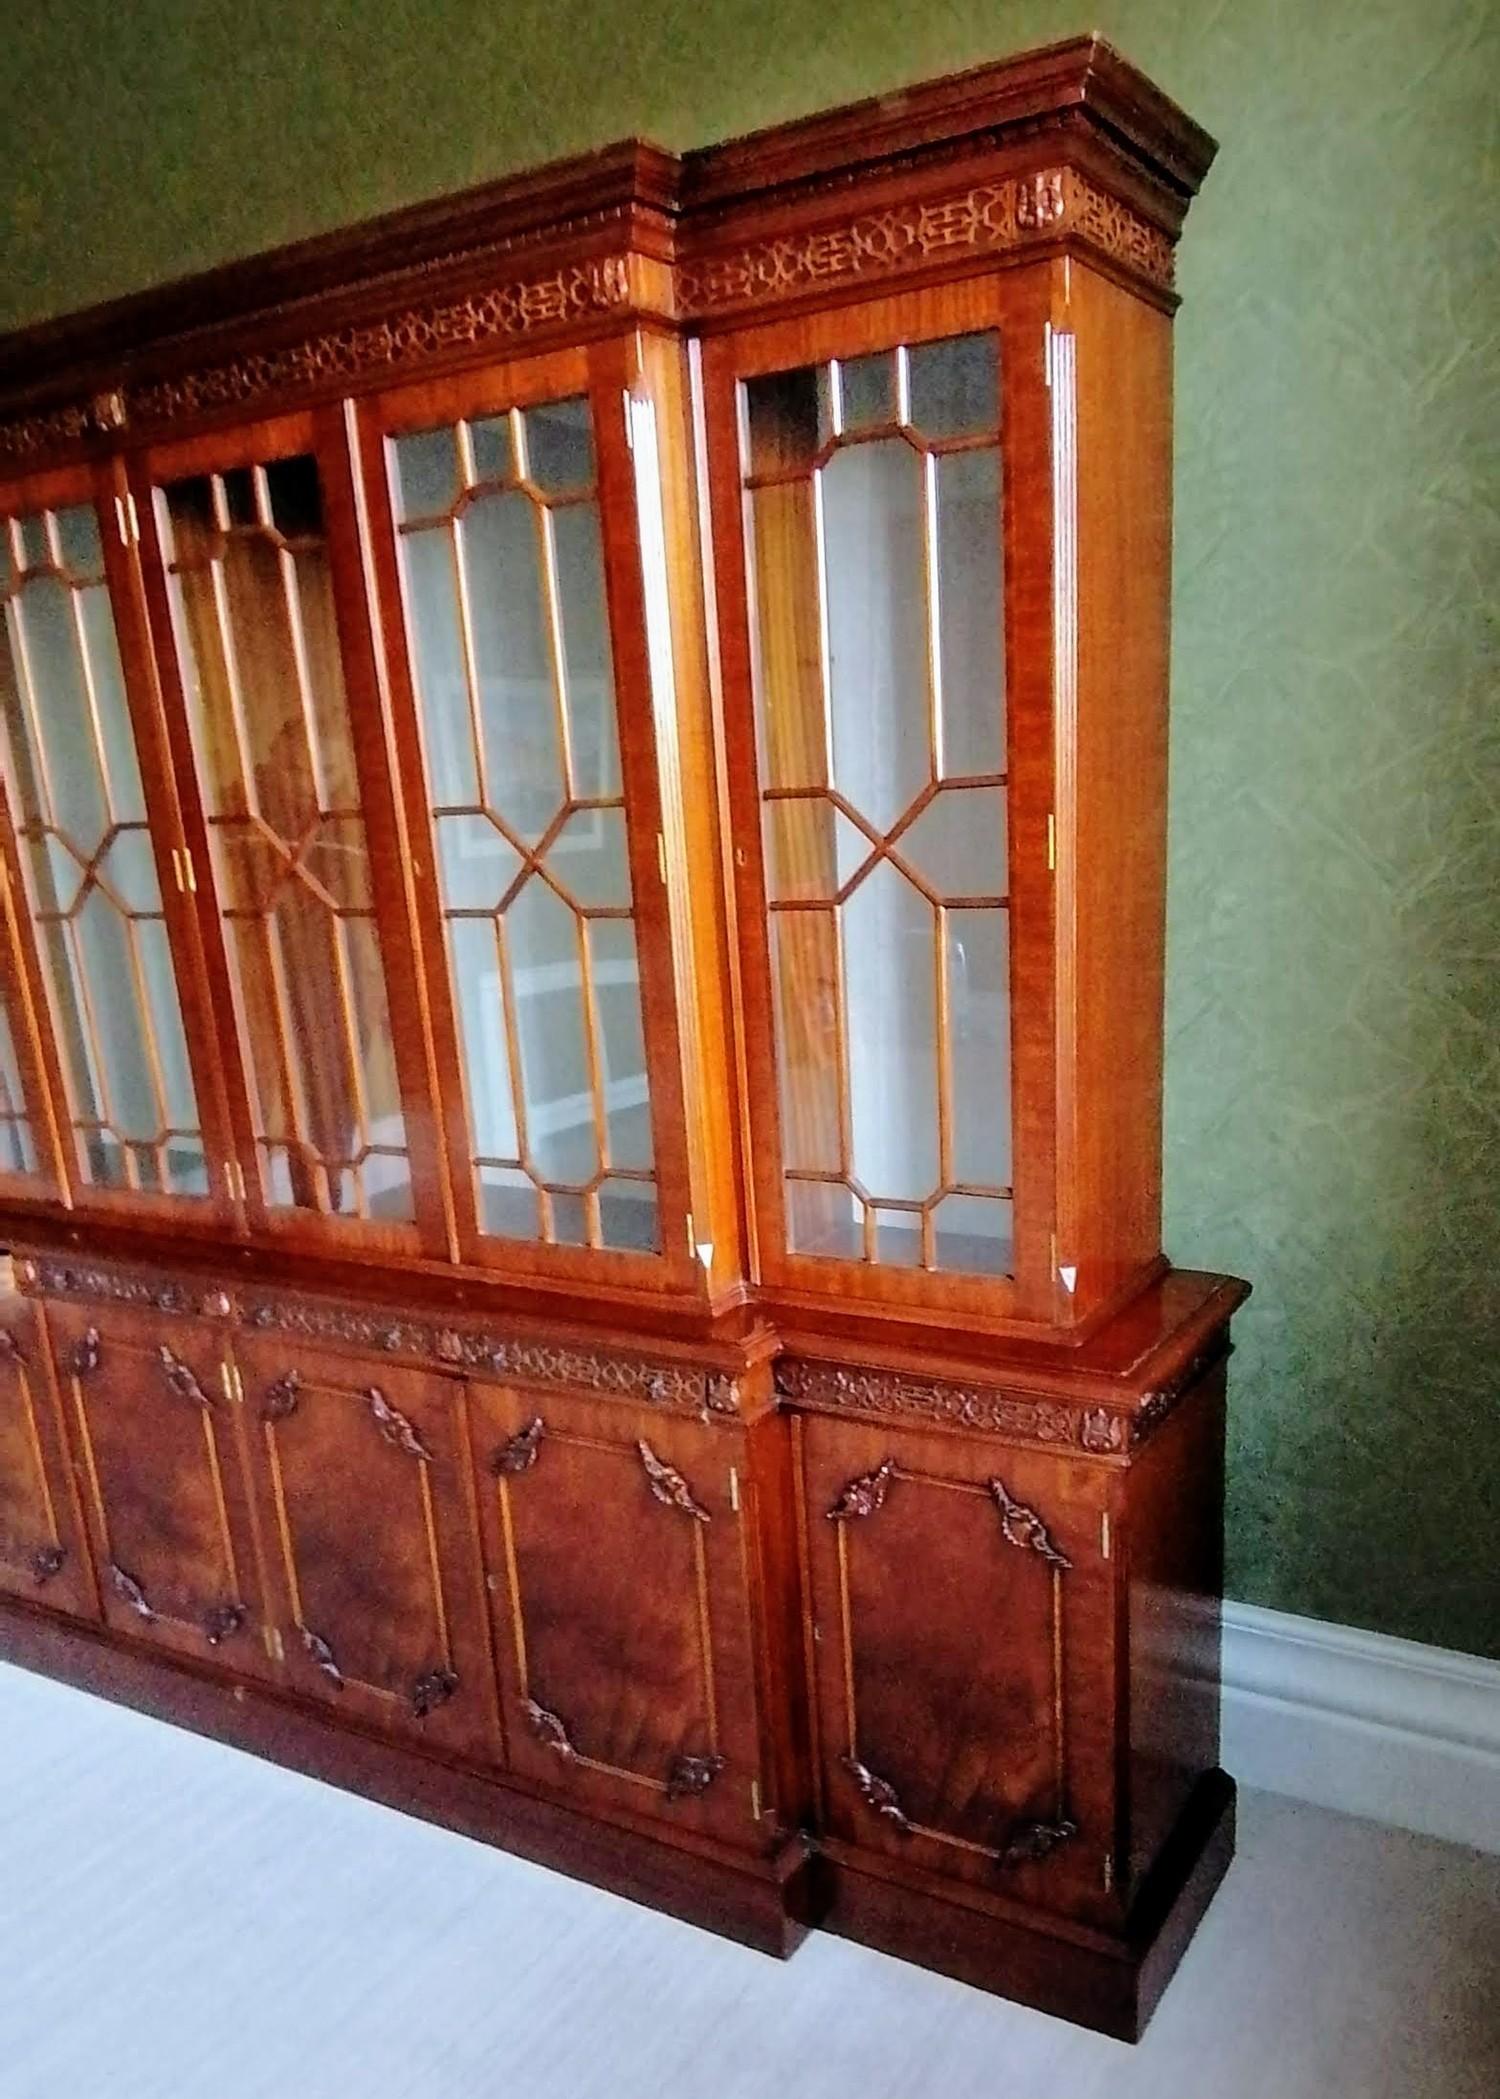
{"x": 873, "y": 507}
{"x": 502, "y": 566}
{"x": 92, "y": 888}
{"x": 257, "y": 644}
{"x": 17, "y": 1145}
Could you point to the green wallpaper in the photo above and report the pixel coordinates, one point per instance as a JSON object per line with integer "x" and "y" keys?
{"x": 1334, "y": 1018}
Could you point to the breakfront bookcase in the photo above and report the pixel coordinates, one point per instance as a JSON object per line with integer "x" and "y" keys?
{"x": 580, "y": 1058}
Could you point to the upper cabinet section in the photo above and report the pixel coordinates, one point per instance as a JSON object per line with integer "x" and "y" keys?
{"x": 608, "y": 732}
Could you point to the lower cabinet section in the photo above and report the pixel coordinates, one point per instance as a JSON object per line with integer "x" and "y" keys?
{"x": 618, "y": 1587}
{"x": 963, "y": 1659}
{"x": 157, "y": 1440}
{"x": 41, "y": 1550}
{"x": 360, "y": 1471}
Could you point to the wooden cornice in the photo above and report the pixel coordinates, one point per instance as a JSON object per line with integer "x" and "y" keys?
{"x": 1064, "y": 148}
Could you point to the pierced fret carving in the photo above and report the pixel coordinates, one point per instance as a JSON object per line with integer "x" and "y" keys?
{"x": 669, "y": 1486}
{"x": 181, "y": 1379}
{"x": 47, "y": 1562}
{"x": 86, "y": 1353}
{"x": 692, "y": 1775}
{"x": 321, "y": 1654}
{"x": 1024, "y": 1528}
{"x": 520, "y": 1453}
{"x": 864, "y": 1496}
{"x": 1034, "y": 1841}
{"x": 432, "y": 1690}
{"x": 878, "y": 1794}
{"x": 65, "y": 1279}
{"x": 549, "y": 1729}
{"x": 129, "y": 1591}
{"x": 282, "y": 1397}
{"x": 395, "y": 1427}
{"x": 222, "y": 1622}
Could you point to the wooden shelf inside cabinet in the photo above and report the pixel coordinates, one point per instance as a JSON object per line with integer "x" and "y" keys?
{"x": 582, "y": 845}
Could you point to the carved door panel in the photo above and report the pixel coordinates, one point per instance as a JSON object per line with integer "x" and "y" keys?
{"x": 366, "y": 1505}
{"x": 963, "y": 1658}
{"x": 148, "y": 1405}
{"x": 42, "y": 1556}
{"x": 618, "y": 1589}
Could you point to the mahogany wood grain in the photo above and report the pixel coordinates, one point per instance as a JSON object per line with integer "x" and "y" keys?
{"x": 43, "y": 1556}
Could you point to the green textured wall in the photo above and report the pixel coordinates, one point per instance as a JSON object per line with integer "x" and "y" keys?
{"x": 1334, "y": 1019}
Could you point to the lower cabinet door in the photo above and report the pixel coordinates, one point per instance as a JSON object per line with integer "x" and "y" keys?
{"x": 963, "y": 1647}
{"x": 149, "y": 1409}
{"x": 365, "y": 1494}
{"x": 41, "y": 1552}
{"x": 617, "y": 1574}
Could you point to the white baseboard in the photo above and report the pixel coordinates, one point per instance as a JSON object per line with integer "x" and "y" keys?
{"x": 1363, "y": 1723}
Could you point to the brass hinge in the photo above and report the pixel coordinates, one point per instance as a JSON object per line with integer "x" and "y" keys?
{"x": 1051, "y": 843}
{"x": 1106, "y": 1535}
{"x": 233, "y": 1383}
{"x": 126, "y": 520}
{"x": 1047, "y": 351}
{"x": 273, "y": 1643}
{"x": 234, "y": 1174}
{"x": 184, "y": 871}
{"x": 755, "y": 1799}
{"x": 661, "y": 854}
{"x": 734, "y": 1490}
{"x": 1109, "y": 1871}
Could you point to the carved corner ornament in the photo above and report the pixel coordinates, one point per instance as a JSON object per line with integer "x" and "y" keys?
{"x": 520, "y": 1453}
{"x": 395, "y": 1427}
{"x": 1032, "y": 1842}
{"x": 281, "y": 1397}
{"x": 692, "y": 1775}
{"x": 47, "y": 1562}
{"x": 181, "y": 1379}
{"x": 864, "y": 1496}
{"x": 549, "y": 1729}
{"x": 432, "y": 1690}
{"x": 222, "y": 1622}
{"x": 878, "y": 1794}
{"x": 129, "y": 1591}
{"x": 1024, "y": 1528}
{"x": 669, "y": 1486}
{"x": 318, "y": 1651}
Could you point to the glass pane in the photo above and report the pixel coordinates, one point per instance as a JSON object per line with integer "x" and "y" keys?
{"x": 257, "y": 639}
{"x": 92, "y": 888}
{"x": 876, "y": 594}
{"x": 512, "y": 666}
{"x": 17, "y": 1147}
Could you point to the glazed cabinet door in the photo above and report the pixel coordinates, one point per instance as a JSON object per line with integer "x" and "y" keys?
{"x": 105, "y": 1040}
{"x": 881, "y": 482}
{"x": 249, "y": 544}
{"x": 962, "y": 1658}
{"x": 618, "y": 1586}
{"x": 42, "y": 1555}
{"x": 155, "y": 1435}
{"x": 363, "y": 1486}
{"x": 503, "y": 519}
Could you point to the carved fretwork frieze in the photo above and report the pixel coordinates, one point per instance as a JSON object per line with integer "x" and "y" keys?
{"x": 520, "y": 1453}
{"x": 692, "y": 1775}
{"x": 984, "y": 219}
{"x": 878, "y": 1794}
{"x": 1024, "y": 1528}
{"x": 117, "y": 1286}
{"x": 669, "y": 1486}
{"x": 549, "y": 1729}
{"x": 896, "y": 1395}
{"x": 864, "y": 1496}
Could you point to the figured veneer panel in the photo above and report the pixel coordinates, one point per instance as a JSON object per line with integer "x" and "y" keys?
{"x": 962, "y": 1605}
{"x": 619, "y": 1584}
{"x": 42, "y": 1554}
{"x": 362, "y": 1487}
{"x": 152, "y": 1422}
